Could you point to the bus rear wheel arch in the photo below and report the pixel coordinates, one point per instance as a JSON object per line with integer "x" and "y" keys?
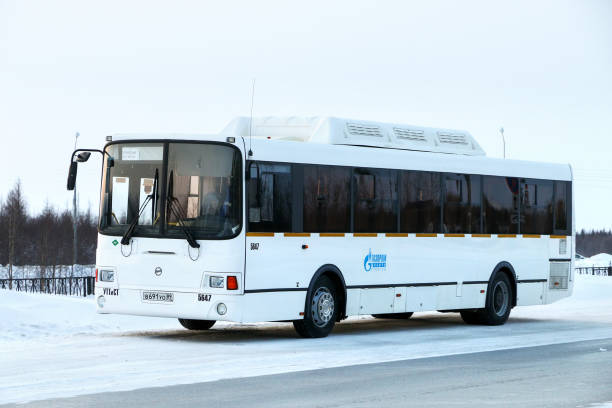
{"x": 501, "y": 295}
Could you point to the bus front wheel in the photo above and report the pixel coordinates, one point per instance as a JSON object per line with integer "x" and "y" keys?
{"x": 321, "y": 310}
{"x": 196, "y": 324}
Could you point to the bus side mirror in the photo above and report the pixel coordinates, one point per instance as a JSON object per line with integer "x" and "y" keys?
{"x": 83, "y": 157}
{"x": 72, "y": 174}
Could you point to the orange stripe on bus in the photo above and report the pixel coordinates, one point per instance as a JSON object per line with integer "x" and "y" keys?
{"x": 331, "y": 234}
{"x": 558, "y": 236}
{"x": 396, "y": 234}
{"x": 297, "y": 234}
{"x": 481, "y": 235}
{"x": 506, "y": 235}
{"x": 365, "y": 234}
{"x": 531, "y": 236}
{"x": 260, "y": 234}
{"x": 426, "y": 235}
{"x": 454, "y": 235}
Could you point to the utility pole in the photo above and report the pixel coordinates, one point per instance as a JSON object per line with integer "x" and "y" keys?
{"x": 501, "y": 130}
{"x": 74, "y": 217}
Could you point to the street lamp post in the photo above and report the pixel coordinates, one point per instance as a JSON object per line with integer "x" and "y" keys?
{"x": 74, "y": 218}
{"x": 501, "y": 130}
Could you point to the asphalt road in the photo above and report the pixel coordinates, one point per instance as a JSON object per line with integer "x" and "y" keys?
{"x": 563, "y": 375}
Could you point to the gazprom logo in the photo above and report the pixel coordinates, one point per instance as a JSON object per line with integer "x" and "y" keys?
{"x": 375, "y": 262}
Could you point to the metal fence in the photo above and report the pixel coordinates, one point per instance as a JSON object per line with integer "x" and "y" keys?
{"x": 77, "y": 286}
{"x": 595, "y": 270}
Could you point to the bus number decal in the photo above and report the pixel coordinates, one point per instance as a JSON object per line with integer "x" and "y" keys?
{"x": 203, "y": 298}
{"x": 111, "y": 292}
{"x": 254, "y": 246}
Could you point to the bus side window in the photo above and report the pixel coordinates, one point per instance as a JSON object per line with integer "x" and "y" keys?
{"x": 500, "y": 204}
{"x": 561, "y": 207}
{"x": 419, "y": 201}
{"x": 536, "y": 207}
{"x": 375, "y": 200}
{"x": 327, "y": 197}
{"x": 269, "y": 197}
{"x": 462, "y": 203}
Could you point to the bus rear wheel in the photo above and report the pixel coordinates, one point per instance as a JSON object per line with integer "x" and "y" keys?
{"x": 321, "y": 310}
{"x": 191, "y": 324}
{"x": 497, "y": 306}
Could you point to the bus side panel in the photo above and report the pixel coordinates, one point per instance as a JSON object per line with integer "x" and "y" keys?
{"x": 273, "y": 306}
{"x": 430, "y": 273}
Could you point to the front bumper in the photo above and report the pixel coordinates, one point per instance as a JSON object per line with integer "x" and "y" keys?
{"x": 186, "y": 305}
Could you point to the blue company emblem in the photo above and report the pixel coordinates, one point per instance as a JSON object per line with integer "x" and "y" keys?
{"x": 377, "y": 262}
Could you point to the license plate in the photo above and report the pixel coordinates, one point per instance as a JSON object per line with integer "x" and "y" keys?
{"x": 163, "y": 297}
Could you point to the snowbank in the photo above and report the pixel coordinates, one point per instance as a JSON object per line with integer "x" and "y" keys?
{"x": 599, "y": 260}
{"x": 33, "y": 315}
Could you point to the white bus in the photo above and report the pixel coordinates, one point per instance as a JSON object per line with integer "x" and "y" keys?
{"x": 313, "y": 220}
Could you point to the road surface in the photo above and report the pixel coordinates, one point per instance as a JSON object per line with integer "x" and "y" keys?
{"x": 577, "y": 374}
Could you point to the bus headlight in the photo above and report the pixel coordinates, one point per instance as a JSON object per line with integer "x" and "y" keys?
{"x": 221, "y": 308}
{"x": 107, "y": 276}
{"x": 216, "y": 282}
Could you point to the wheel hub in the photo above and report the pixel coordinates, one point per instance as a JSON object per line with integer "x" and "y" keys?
{"x": 501, "y": 297}
{"x": 322, "y": 306}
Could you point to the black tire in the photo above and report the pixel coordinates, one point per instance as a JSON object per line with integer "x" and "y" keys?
{"x": 321, "y": 310}
{"x": 405, "y": 316}
{"x": 196, "y": 324}
{"x": 499, "y": 301}
{"x": 497, "y": 306}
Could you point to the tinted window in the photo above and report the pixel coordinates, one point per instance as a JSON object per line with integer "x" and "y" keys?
{"x": 500, "y": 204}
{"x": 562, "y": 209}
{"x": 536, "y": 207}
{"x": 131, "y": 185}
{"x": 327, "y": 197}
{"x": 204, "y": 190}
{"x": 375, "y": 200}
{"x": 270, "y": 197}
{"x": 419, "y": 201}
{"x": 462, "y": 203}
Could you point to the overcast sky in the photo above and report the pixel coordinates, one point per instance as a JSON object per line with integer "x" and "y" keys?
{"x": 540, "y": 69}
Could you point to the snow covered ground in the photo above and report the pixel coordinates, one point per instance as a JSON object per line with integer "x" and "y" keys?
{"x": 55, "y": 346}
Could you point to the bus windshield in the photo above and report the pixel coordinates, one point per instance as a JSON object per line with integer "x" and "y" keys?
{"x": 202, "y": 194}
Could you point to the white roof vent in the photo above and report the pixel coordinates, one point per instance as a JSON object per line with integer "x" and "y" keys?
{"x": 452, "y": 138}
{"x": 358, "y": 129}
{"x": 354, "y": 132}
{"x": 410, "y": 134}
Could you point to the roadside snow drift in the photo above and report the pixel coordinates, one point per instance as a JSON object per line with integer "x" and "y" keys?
{"x": 55, "y": 346}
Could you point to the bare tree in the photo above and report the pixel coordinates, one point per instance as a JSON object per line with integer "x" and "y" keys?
{"x": 45, "y": 226}
{"x": 15, "y": 212}
{"x": 44, "y": 240}
{"x": 589, "y": 243}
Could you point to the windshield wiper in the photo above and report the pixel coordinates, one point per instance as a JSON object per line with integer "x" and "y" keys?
{"x": 175, "y": 207}
{"x": 125, "y": 240}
